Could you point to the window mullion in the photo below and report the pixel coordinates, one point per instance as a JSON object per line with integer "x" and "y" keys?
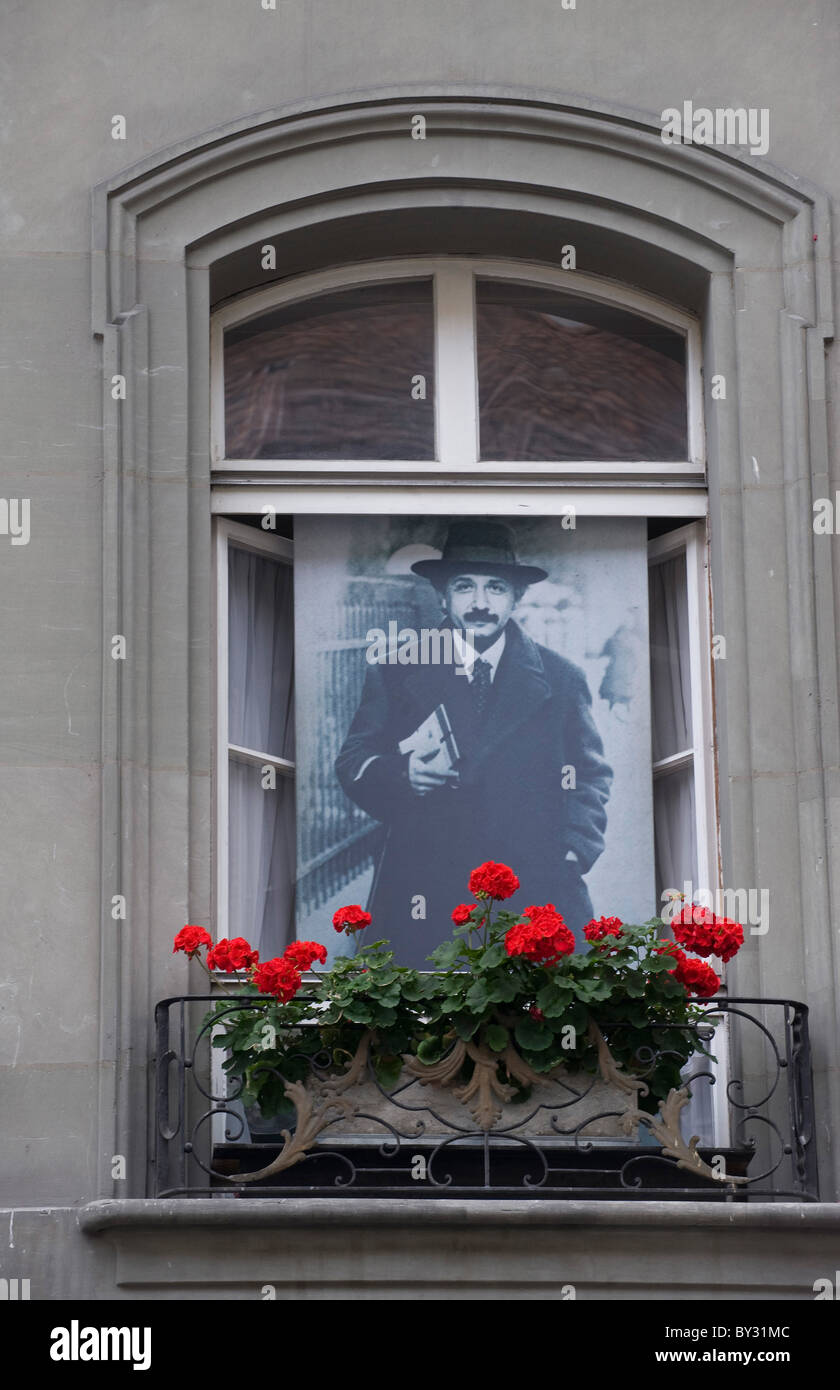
{"x": 257, "y": 759}
{"x": 456, "y": 379}
{"x": 675, "y": 762}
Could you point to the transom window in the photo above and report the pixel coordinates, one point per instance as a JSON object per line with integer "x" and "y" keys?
{"x": 463, "y": 365}
{"x": 346, "y": 374}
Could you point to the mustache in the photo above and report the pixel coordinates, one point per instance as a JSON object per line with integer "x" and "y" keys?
{"x": 480, "y": 615}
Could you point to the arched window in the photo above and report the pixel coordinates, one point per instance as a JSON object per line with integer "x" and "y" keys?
{"x": 516, "y": 412}
{"x": 441, "y": 368}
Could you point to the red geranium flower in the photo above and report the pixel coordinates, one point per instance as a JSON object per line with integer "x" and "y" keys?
{"x": 542, "y": 937}
{"x": 605, "y": 926}
{"x": 350, "y": 919}
{"x": 278, "y": 977}
{"x": 537, "y": 1013}
{"x": 493, "y": 881}
{"x": 302, "y": 953}
{"x": 462, "y": 913}
{"x": 729, "y": 938}
{"x": 189, "y": 939}
{"x": 698, "y": 978}
{"x": 693, "y": 928}
{"x": 700, "y": 931}
{"x": 232, "y": 955}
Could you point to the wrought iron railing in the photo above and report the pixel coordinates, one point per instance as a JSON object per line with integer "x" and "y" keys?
{"x": 461, "y": 1135}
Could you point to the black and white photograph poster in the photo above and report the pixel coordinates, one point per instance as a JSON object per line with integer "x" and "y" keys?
{"x": 476, "y": 689}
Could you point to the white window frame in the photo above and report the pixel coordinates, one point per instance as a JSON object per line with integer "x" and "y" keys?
{"x": 670, "y": 488}
{"x": 457, "y": 481}
{"x": 229, "y": 534}
{"x": 691, "y": 542}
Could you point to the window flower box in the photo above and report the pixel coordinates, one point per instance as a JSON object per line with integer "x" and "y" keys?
{"x": 514, "y": 1038}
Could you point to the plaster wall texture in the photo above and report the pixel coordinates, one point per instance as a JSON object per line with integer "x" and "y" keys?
{"x": 177, "y": 71}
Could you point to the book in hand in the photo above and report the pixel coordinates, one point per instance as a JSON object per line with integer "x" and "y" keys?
{"x": 434, "y": 742}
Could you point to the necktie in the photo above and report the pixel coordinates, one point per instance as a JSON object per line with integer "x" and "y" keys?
{"x": 481, "y": 682}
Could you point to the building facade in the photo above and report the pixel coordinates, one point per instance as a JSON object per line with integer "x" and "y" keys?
{"x": 175, "y": 173}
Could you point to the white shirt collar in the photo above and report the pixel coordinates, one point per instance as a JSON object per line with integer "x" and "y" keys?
{"x": 465, "y": 655}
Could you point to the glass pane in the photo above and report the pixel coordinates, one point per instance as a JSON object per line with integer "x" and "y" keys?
{"x": 334, "y": 377}
{"x": 675, "y": 836}
{"x": 675, "y": 831}
{"x": 562, "y": 378}
{"x": 260, "y": 654}
{"x": 670, "y": 658}
{"x": 262, "y": 859}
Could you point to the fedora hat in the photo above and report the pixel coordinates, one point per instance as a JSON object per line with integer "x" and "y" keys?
{"x": 479, "y": 547}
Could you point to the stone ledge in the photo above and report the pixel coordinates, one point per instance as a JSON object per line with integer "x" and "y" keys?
{"x": 352, "y": 1248}
{"x": 302, "y": 1212}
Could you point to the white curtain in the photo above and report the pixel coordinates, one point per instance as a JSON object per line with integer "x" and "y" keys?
{"x": 673, "y": 793}
{"x": 261, "y": 654}
{"x": 261, "y": 718}
{"x": 675, "y": 825}
{"x": 675, "y": 831}
{"x": 670, "y": 658}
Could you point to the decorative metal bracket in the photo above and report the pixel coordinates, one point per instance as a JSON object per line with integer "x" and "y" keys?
{"x": 315, "y": 1108}
{"x": 666, "y": 1130}
{"x": 319, "y": 1105}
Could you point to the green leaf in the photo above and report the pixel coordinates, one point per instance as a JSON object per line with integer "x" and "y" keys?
{"x": 544, "y": 1061}
{"x": 501, "y": 990}
{"x": 466, "y": 1025}
{"x": 445, "y": 955}
{"x": 533, "y": 1035}
{"x": 420, "y": 988}
{"x": 553, "y": 1001}
{"x": 636, "y": 1015}
{"x": 358, "y": 1011}
{"x": 430, "y": 1050}
{"x": 478, "y": 996}
{"x": 383, "y": 1017}
{"x": 583, "y": 989}
{"x": 388, "y": 998}
{"x": 655, "y": 964}
{"x": 578, "y": 1017}
{"x": 388, "y": 1071}
{"x": 493, "y": 956}
{"x": 496, "y": 1037}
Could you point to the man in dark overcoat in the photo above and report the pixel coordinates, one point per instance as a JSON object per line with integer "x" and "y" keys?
{"x": 530, "y": 784}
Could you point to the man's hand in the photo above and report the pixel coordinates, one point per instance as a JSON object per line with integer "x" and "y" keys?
{"x": 424, "y": 778}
